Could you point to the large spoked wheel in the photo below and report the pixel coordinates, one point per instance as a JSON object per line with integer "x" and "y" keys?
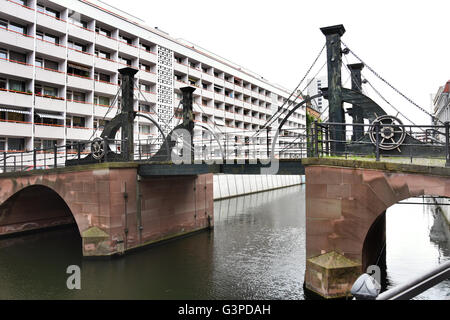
{"x": 98, "y": 148}
{"x": 391, "y": 133}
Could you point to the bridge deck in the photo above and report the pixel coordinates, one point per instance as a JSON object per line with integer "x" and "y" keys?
{"x": 393, "y": 165}
{"x": 147, "y": 169}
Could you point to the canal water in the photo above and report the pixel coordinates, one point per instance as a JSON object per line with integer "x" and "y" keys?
{"x": 256, "y": 251}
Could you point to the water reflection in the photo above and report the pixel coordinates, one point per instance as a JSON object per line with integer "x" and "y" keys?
{"x": 256, "y": 251}
{"x": 413, "y": 246}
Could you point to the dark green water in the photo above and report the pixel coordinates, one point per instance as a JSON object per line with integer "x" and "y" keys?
{"x": 256, "y": 251}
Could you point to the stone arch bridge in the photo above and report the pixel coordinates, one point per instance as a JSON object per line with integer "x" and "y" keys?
{"x": 346, "y": 201}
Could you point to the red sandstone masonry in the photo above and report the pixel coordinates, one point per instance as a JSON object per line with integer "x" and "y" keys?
{"x": 342, "y": 203}
{"x": 95, "y": 198}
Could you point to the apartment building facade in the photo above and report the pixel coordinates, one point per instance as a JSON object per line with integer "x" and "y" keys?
{"x": 441, "y": 103}
{"x": 314, "y": 87}
{"x": 59, "y": 80}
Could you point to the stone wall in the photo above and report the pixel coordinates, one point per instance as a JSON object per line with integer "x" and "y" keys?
{"x": 227, "y": 185}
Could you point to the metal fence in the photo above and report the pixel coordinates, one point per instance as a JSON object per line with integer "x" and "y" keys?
{"x": 380, "y": 140}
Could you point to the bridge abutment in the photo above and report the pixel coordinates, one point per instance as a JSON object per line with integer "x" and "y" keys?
{"x": 114, "y": 208}
{"x": 346, "y": 201}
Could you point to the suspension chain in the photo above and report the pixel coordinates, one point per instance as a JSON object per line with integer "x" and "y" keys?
{"x": 269, "y": 122}
{"x": 390, "y": 85}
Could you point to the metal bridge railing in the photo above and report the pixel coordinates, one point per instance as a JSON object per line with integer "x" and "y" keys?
{"x": 366, "y": 288}
{"x": 378, "y": 140}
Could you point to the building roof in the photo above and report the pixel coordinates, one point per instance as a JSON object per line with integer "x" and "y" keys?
{"x": 447, "y": 87}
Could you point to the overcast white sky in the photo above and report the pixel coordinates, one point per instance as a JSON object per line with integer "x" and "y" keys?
{"x": 407, "y": 42}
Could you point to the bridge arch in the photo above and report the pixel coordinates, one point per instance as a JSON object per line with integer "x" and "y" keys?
{"x": 345, "y": 207}
{"x": 34, "y": 207}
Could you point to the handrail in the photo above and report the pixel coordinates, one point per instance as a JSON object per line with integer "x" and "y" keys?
{"x": 418, "y": 285}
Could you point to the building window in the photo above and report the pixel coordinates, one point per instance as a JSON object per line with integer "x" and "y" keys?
{"x": 102, "y": 77}
{"x": 51, "y": 12}
{"x": 46, "y": 91}
{"x": 47, "y": 37}
{"x": 104, "y": 101}
{"x": 103, "y": 32}
{"x": 16, "y": 144}
{"x": 145, "y": 47}
{"x": 78, "y": 70}
{"x": 102, "y": 54}
{"x": 77, "y": 46}
{"x": 17, "y": 57}
{"x": 126, "y": 40}
{"x": 75, "y": 18}
{"x": 76, "y": 96}
{"x": 79, "y": 122}
{"x": 125, "y": 61}
{"x": 17, "y": 28}
{"x": 144, "y": 108}
{"x": 17, "y": 85}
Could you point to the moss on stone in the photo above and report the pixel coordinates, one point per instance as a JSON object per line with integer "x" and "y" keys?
{"x": 94, "y": 232}
{"x": 333, "y": 260}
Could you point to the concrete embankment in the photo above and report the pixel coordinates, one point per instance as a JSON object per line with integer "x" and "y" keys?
{"x": 227, "y": 186}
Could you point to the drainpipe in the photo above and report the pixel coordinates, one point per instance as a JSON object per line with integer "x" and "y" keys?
{"x": 139, "y": 207}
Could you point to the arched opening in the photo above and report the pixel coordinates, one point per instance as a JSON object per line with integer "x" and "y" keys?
{"x": 34, "y": 208}
{"x": 402, "y": 241}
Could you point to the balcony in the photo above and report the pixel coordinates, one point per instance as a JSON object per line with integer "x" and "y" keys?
{"x": 106, "y": 87}
{"x": 100, "y": 112}
{"x": 229, "y": 100}
{"x": 146, "y": 96}
{"x": 148, "y": 56}
{"x": 239, "y": 117}
{"x": 207, "y": 94}
{"x": 129, "y": 50}
{"x": 179, "y": 84}
{"x": 51, "y": 49}
{"x": 80, "y": 83}
{"x": 17, "y": 10}
{"x": 247, "y": 92}
{"x": 106, "y": 41}
{"x": 79, "y": 133}
{"x": 50, "y": 104}
{"x": 219, "y": 97}
{"x": 51, "y": 76}
{"x": 48, "y": 131}
{"x": 15, "y": 129}
{"x": 208, "y": 77}
{"x": 16, "y": 39}
{"x": 81, "y": 33}
{"x": 229, "y": 85}
{"x": 79, "y": 108}
{"x": 80, "y": 57}
{"x": 229, "y": 115}
{"x": 194, "y": 72}
{"x": 106, "y": 64}
{"x": 16, "y": 98}
{"x": 16, "y": 68}
{"x": 50, "y": 22}
{"x": 148, "y": 76}
{"x": 180, "y": 67}
{"x": 238, "y": 103}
